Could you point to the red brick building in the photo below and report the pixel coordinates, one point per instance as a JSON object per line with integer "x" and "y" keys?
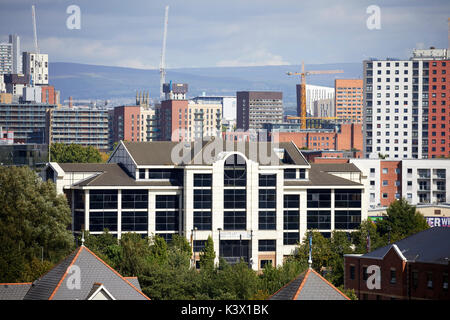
{"x": 347, "y": 138}
{"x": 49, "y": 95}
{"x": 126, "y": 125}
{"x": 439, "y": 109}
{"x": 349, "y": 99}
{"x": 414, "y": 268}
{"x": 172, "y": 119}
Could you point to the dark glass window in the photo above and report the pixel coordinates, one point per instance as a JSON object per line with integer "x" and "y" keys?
{"x": 267, "y": 220}
{"x": 347, "y": 219}
{"x": 347, "y": 198}
{"x": 166, "y": 220}
{"x": 234, "y": 220}
{"x": 233, "y": 250}
{"x": 302, "y": 173}
{"x": 134, "y": 221}
{"x": 175, "y": 175}
{"x": 79, "y": 199}
{"x": 318, "y": 219}
{"x": 289, "y": 173}
{"x": 320, "y": 198}
{"x": 393, "y": 279}
{"x": 415, "y": 279}
{"x": 78, "y": 221}
{"x": 267, "y": 180}
{"x": 141, "y": 173}
{"x": 199, "y": 245}
{"x": 202, "y": 180}
{"x": 98, "y": 221}
{"x": 103, "y": 199}
{"x": 134, "y": 199}
{"x": 202, "y": 199}
{"x": 352, "y": 272}
{"x": 234, "y": 198}
{"x": 267, "y": 245}
{"x": 167, "y": 202}
{"x": 365, "y": 275}
{"x": 291, "y": 219}
{"x": 292, "y": 201}
{"x": 267, "y": 198}
{"x": 290, "y": 238}
{"x": 166, "y": 236}
{"x": 235, "y": 171}
{"x": 203, "y": 220}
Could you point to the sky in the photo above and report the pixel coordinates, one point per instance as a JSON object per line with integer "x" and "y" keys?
{"x": 210, "y": 33}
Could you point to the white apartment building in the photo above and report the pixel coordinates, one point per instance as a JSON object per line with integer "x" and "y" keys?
{"x": 396, "y": 105}
{"x": 256, "y": 200}
{"x": 36, "y": 65}
{"x": 314, "y": 93}
{"x": 228, "y": 104}
{"x": 6, "y": 58}
{"x": 418, "y": 181}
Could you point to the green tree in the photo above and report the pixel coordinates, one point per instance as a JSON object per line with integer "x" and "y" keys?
{"x": 321, "y": 251}
{"x": 34, "y": 223}
{"x": 208, "y": 255}
{"x": 340, "y": 245}
{"x": 74, "y": 153}
{"x": 401, "y": 220}
{"x": 359, "y": 237}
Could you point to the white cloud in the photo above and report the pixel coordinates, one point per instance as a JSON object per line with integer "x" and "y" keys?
{"x": 254, "y": 57}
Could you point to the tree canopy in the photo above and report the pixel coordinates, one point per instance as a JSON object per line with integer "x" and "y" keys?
{"x": 74, "y": 153}
{"x": 34, "y": 223}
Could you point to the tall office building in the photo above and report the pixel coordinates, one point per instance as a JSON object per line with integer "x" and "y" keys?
{"x": 349, "y": 100}
{"x": 254, "y": 108}
{"x": 6, "y": 58}
{"x": 16, "y": 54}
{"x": 406, "y": 106}
{"x": 228, "y": 104}
{"x": 313, "y": 93}
{"x": 36, "y": 65}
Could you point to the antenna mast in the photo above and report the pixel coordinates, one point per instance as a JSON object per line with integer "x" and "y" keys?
{"x": 162, "y": 66}
{"x": 33, "y": 15}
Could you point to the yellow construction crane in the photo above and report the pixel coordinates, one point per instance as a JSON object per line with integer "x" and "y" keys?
{"x": 303, "y": 75}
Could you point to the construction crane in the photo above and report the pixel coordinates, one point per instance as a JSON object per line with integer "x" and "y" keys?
{"x": 303, "y": 75}
{"x": 33, "y": 16}
{"x": 162, "y": 65}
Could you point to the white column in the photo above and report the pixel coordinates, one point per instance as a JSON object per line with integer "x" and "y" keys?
{"x": 72, "y": 208}
{"x": 86, "y": 210}
{"x": 303, "y": 213}
{"x": 119, "y": 214}
{"x": 332, "y": 209}
{"x": 151, "y": 213}
{"x": 279, "y": 218}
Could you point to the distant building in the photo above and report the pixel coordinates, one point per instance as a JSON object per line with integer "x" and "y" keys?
{"x": 6, "y": 58}
{"x": 49, "y": 95}
{"x": 29, "y": 154}
{"x": 14, "y": 39}
{"x": 324, "y": 108}
{"x": 6, "y": 137}
{"x": 36, "y": 66}
{"x": 28, "y": 121}
{"x": 414, "y": 268}
{"x": 79, "y": 125}
{"x": 349, "y": 100}
{"x": 14, "y": 83}
{"x": 345, "y": 137}
{"x": 98, "y": 282}
{"x": 228, "y": 104}
{"x": 254, "y": 108}
{"x": 313, "y": 93}
{"x": 406, "y": 106}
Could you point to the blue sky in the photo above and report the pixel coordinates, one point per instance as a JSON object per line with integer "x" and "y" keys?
{"x": 226, "y": 33}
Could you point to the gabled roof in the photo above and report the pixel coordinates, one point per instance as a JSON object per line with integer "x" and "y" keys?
{"x": 14, "y": 291}
{"x": 60, "y": 283}
{"x": 309, "y": 285}
{"x": 431, "y": 245}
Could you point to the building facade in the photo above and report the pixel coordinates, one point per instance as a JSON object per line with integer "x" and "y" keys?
{"x": 419, "y": 181}
{"x": 14, "y": 39}
{"x": 6, "y": 58}
{"x": 313, "y": 93}
{"x": 324, "y": 108}
{"x": 349, "y": 100}
{"x": 406, "y": 106}
{"x": 28, "y": 121}
{"x": 228, "y": 104}
{"x": 415, "y": 268}
{"x": 36, "y": 66}
{"x": 79, "y": 125}
{"x": 254, "y": 108}
{"x": 256, "y": 201}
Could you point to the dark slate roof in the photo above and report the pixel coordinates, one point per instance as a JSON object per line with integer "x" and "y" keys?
{"x": 160, "y": 152}
{"x": 309, "y": 285}
{"x": 55, "y": 284}
{"x": 109, "y": 174}
{"x": 14, "y": 291}
{"x": 319, "y": 176}
{"x": 337, "y": 167}
{"x": 431, "y": 246}
{"x": 134, "y": 281}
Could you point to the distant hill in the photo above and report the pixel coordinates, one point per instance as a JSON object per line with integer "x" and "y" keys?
{"x": 119, "y": 85}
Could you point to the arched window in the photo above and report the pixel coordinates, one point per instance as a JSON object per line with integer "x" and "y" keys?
{"x": 235, "y": 171}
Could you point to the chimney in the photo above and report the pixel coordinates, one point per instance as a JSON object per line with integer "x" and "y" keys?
{"x": 70, "y": 102}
